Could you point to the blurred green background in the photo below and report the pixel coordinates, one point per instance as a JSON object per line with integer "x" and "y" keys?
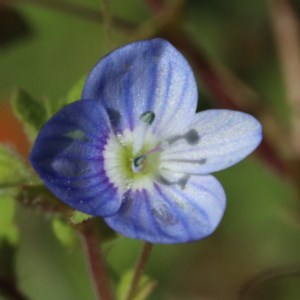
{"x": 46, "y": 50}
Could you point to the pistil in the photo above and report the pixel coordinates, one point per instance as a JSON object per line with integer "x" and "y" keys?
{"x": 139, "y": 163}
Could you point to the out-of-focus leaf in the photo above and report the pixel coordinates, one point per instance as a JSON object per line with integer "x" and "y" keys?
{"x": 45, "y": 269}
{"x": 64, "y": 232}
{"x": 12, "y": 25}
{"x": 75, "y": 92}
{"x": 13, "y": 171}
{"x": 8, "y": 228}
{"x": 31, "y": 112}
{"x": 8, "y": 286}
{"x": 7, "y": 252}
{"x": 145, "y": 287}
{"x": 73, "y": 95}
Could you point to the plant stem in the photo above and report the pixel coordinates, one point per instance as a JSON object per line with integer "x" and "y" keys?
{"x": 286, "y": 30}
{"x": 139, "y": 269}
{"x": 96, "y": 265}
{"x": 106, "y": 22}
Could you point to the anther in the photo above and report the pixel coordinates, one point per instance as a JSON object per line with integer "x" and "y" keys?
{"x": 192, "y": 137}
{"x": 147, "y": 117}
{"x": 181, "y": 182}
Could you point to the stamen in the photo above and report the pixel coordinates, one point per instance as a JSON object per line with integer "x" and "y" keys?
{"x": 154, "y": 150}
{"x": 182, "y": 181}
{"x": 192, "y": 137}
{"x": 148, "y": 117}
{"x": 200, "y": 161}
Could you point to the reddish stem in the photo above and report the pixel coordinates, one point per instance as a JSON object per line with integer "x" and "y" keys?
{"x": 139, "y": 269}
{"x": 91, "y": 245}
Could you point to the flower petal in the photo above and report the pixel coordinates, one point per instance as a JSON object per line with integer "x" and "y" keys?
{"x": 170, "y": 214}
{"x": 68, "y": 156}
{"x": 145, "y": 76}
{"x": 215, "y": 140}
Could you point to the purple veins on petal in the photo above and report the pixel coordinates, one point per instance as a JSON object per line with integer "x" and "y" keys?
{"x": 128, "y": 98}
{"x": 140, "y": 77}
{"x": 67, "y": 159}
{"x": 153, "y": 76}
{"x": 225, "y": 138}
{"x": 135, "y": 152}
{"x": 168, "y": 214}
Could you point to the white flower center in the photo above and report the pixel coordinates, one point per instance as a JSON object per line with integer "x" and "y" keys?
{"x": 131, "y": 159}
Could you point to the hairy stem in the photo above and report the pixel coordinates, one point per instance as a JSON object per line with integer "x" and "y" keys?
{"x": 96, "y": 265}
{"x": 139, "y": 269}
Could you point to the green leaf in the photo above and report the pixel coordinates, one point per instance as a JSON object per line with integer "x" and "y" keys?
{"x": 78, "y": 217}
{"x": 45, "y": 268}
{"x": 31, "y": 112}
{"x": 64, "y": 232}
{"x": 7, "y": 260}
{"x": 75, "y": 92}
{"x": 73, "y": 95}
{"x": 8, "y": 229}
{"x": 13, "y": 170}
{"x": 145, "y": 287}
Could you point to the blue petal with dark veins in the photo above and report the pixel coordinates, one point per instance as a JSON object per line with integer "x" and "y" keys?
{"x": 145, "y": 76}
{"x": 171, "y": 214}
{"x": 68, "y": 156}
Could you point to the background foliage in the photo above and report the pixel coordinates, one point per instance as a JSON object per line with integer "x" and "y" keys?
{"x": 47, "y": 47}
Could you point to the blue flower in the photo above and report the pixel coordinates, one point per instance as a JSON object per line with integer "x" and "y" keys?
{"x": 135, "y": 152}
